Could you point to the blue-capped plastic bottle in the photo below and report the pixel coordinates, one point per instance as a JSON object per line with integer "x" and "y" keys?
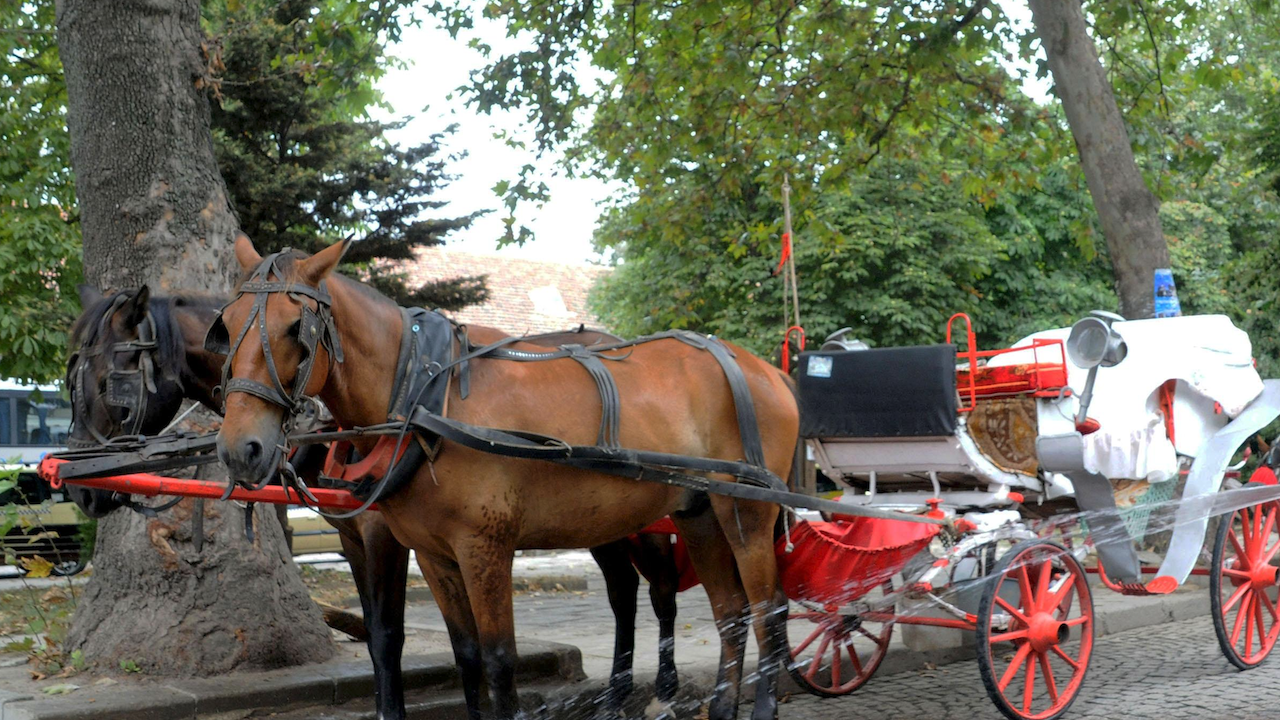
{"x": 1167, "y": 304}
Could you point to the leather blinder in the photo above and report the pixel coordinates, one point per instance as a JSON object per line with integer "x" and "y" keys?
{"x": 218, "y": 339}
{"x": 124, "y": 388}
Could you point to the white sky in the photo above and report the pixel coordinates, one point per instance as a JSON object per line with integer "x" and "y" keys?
{"x": 437, "y": 65}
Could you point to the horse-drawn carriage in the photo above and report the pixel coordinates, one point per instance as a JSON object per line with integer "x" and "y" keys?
{"x": 1018, "y": 448}
{"x": 965, "y": 474}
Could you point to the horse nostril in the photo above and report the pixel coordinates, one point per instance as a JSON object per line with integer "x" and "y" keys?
{"x": 252, "y": 450}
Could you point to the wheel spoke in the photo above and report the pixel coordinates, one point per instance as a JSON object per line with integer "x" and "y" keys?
{"x": 1012, "y": 610}
{"x": 1235, "y": 542}
{"x": 1029, "y": 689}
{"x": 1075, "y": 664}
{"x": 1047, "y": 671}
{"x": 853, "y": 658}
{"x": 1240, "y": 616}
{"x": 1009, "y": 636}
{"x": 1076, "y": 621}
{"x": 1270, "y": 554}
{"x": 1024, "y": 586}
{"x": 1267, "y": 527}
{"x": 1271, "y": 607}
{"x": 1257, "y": 532}
{"x": 835, "y": 663}
{"x": 816, "y": 663}
{"x": 1237, "y": 574}
{"x": 1068, "y": 585}
{"x": 1012, "y": 671}
{"x": 1247, "y": 615}
{"x": 1042, "y": 584}
{"x": 1257, "y": 618}
{"x": 872, "y": 636}
{"x": 812, "y": 636}
{"x": 1235, "y": 598}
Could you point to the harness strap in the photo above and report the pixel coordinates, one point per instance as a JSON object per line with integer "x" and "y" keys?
{"x": 748, "y": 426}
{"x": 610, "y": 400}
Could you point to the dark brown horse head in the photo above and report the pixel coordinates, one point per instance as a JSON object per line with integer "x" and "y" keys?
{"x": 124, "y": 373}
{"x": 281, "y": 347}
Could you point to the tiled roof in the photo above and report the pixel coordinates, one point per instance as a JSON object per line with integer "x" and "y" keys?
{"x": 525, "y": 296}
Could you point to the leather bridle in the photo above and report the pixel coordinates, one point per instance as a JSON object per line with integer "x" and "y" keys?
{"x": 316, "y": 328}
{"x": 126, "y": 389}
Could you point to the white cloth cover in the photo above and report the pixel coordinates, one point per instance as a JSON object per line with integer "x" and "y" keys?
{"x": 1143, "y": 453}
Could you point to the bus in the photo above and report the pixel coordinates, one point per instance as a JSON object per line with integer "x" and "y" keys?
{"x": 35, "y": 420}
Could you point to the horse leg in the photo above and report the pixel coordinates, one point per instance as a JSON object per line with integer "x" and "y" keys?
{"x": 748, "y": 528}
{"x": 713, "y": 559}
{"x": 622, "y": 583}
{"x": 487, "y": 572}
{"x": 381, "y": 588}
{"x": 662, "y": 594}
{"x": 450, "y": 592}
{"x": 387, "y": 570}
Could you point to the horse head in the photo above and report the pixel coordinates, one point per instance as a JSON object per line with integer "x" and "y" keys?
{"x": 121, "y": 375}
{"x": 281, "y": 346}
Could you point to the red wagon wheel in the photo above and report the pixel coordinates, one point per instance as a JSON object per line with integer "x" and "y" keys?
{"x": 1243, "y": 584}
{"x": 833, "y": 654}
{"x": 1035, "y": 631}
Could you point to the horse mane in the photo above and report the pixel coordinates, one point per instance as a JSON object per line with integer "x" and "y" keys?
{"x": 171, "y": 353}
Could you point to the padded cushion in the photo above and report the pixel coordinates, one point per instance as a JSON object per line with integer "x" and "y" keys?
{"x": 883, "y": 393}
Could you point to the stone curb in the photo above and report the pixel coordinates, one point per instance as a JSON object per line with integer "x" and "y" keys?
{"x": 321, "y": 684}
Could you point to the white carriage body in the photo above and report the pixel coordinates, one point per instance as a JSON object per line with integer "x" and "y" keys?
{"x": 1199, "y": 366}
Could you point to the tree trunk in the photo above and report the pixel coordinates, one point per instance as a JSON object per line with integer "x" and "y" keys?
{"x": 154, "y": 210}
{"x": 1127, "y": 209}
{"x": 153, "y": 207}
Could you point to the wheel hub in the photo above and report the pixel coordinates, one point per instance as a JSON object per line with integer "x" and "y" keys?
{"x": 1263, "y": 576}
{"x": 1046, "y": 631}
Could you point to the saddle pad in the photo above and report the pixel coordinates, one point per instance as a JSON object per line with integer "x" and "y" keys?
{"x": 884, "y": 393}
{"x": 425, "y": 346}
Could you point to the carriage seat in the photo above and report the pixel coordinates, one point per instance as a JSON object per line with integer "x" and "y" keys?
{"x": 900, "y": 392}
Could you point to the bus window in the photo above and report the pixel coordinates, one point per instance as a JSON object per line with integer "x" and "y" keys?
{"x": 43, "y": 419}
{"x": 6, "y": 422}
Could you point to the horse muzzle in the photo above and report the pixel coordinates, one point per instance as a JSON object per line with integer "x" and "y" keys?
{"x": 251, "y": 458}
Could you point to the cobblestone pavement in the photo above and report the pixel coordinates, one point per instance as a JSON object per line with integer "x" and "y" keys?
{"x": 1169, "y": 672}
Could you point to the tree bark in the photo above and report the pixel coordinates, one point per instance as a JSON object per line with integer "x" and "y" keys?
{"x": 153, "y": 207}
{"x": 154, "y": 210}
{"x": 1127, "y": 210}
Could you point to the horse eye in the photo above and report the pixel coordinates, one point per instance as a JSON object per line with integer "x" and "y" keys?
{"x": 102, "y": 386}
{"x": 295, "y": 329}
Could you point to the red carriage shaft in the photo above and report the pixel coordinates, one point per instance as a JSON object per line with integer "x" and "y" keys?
{"x": 152, "y": 485}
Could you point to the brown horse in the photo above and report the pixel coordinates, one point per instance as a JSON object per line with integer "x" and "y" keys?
{"x": 181, "y": 369}
{"x": 466, "y": 512}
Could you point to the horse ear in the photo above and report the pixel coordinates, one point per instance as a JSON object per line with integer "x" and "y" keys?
{"x": 318, "y": 266}
{"x": 88, "y": 295}
{"x": 134, "y": 309}
{"x": 245, "y": 253}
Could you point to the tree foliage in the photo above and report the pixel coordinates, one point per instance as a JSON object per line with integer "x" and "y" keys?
{"x": 304, "y": 163}
{"x": 39, "y": 243}
{"x": 925, "y": 182}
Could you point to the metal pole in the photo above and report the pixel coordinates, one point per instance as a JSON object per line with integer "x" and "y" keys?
{"x": 791, "y": 261}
